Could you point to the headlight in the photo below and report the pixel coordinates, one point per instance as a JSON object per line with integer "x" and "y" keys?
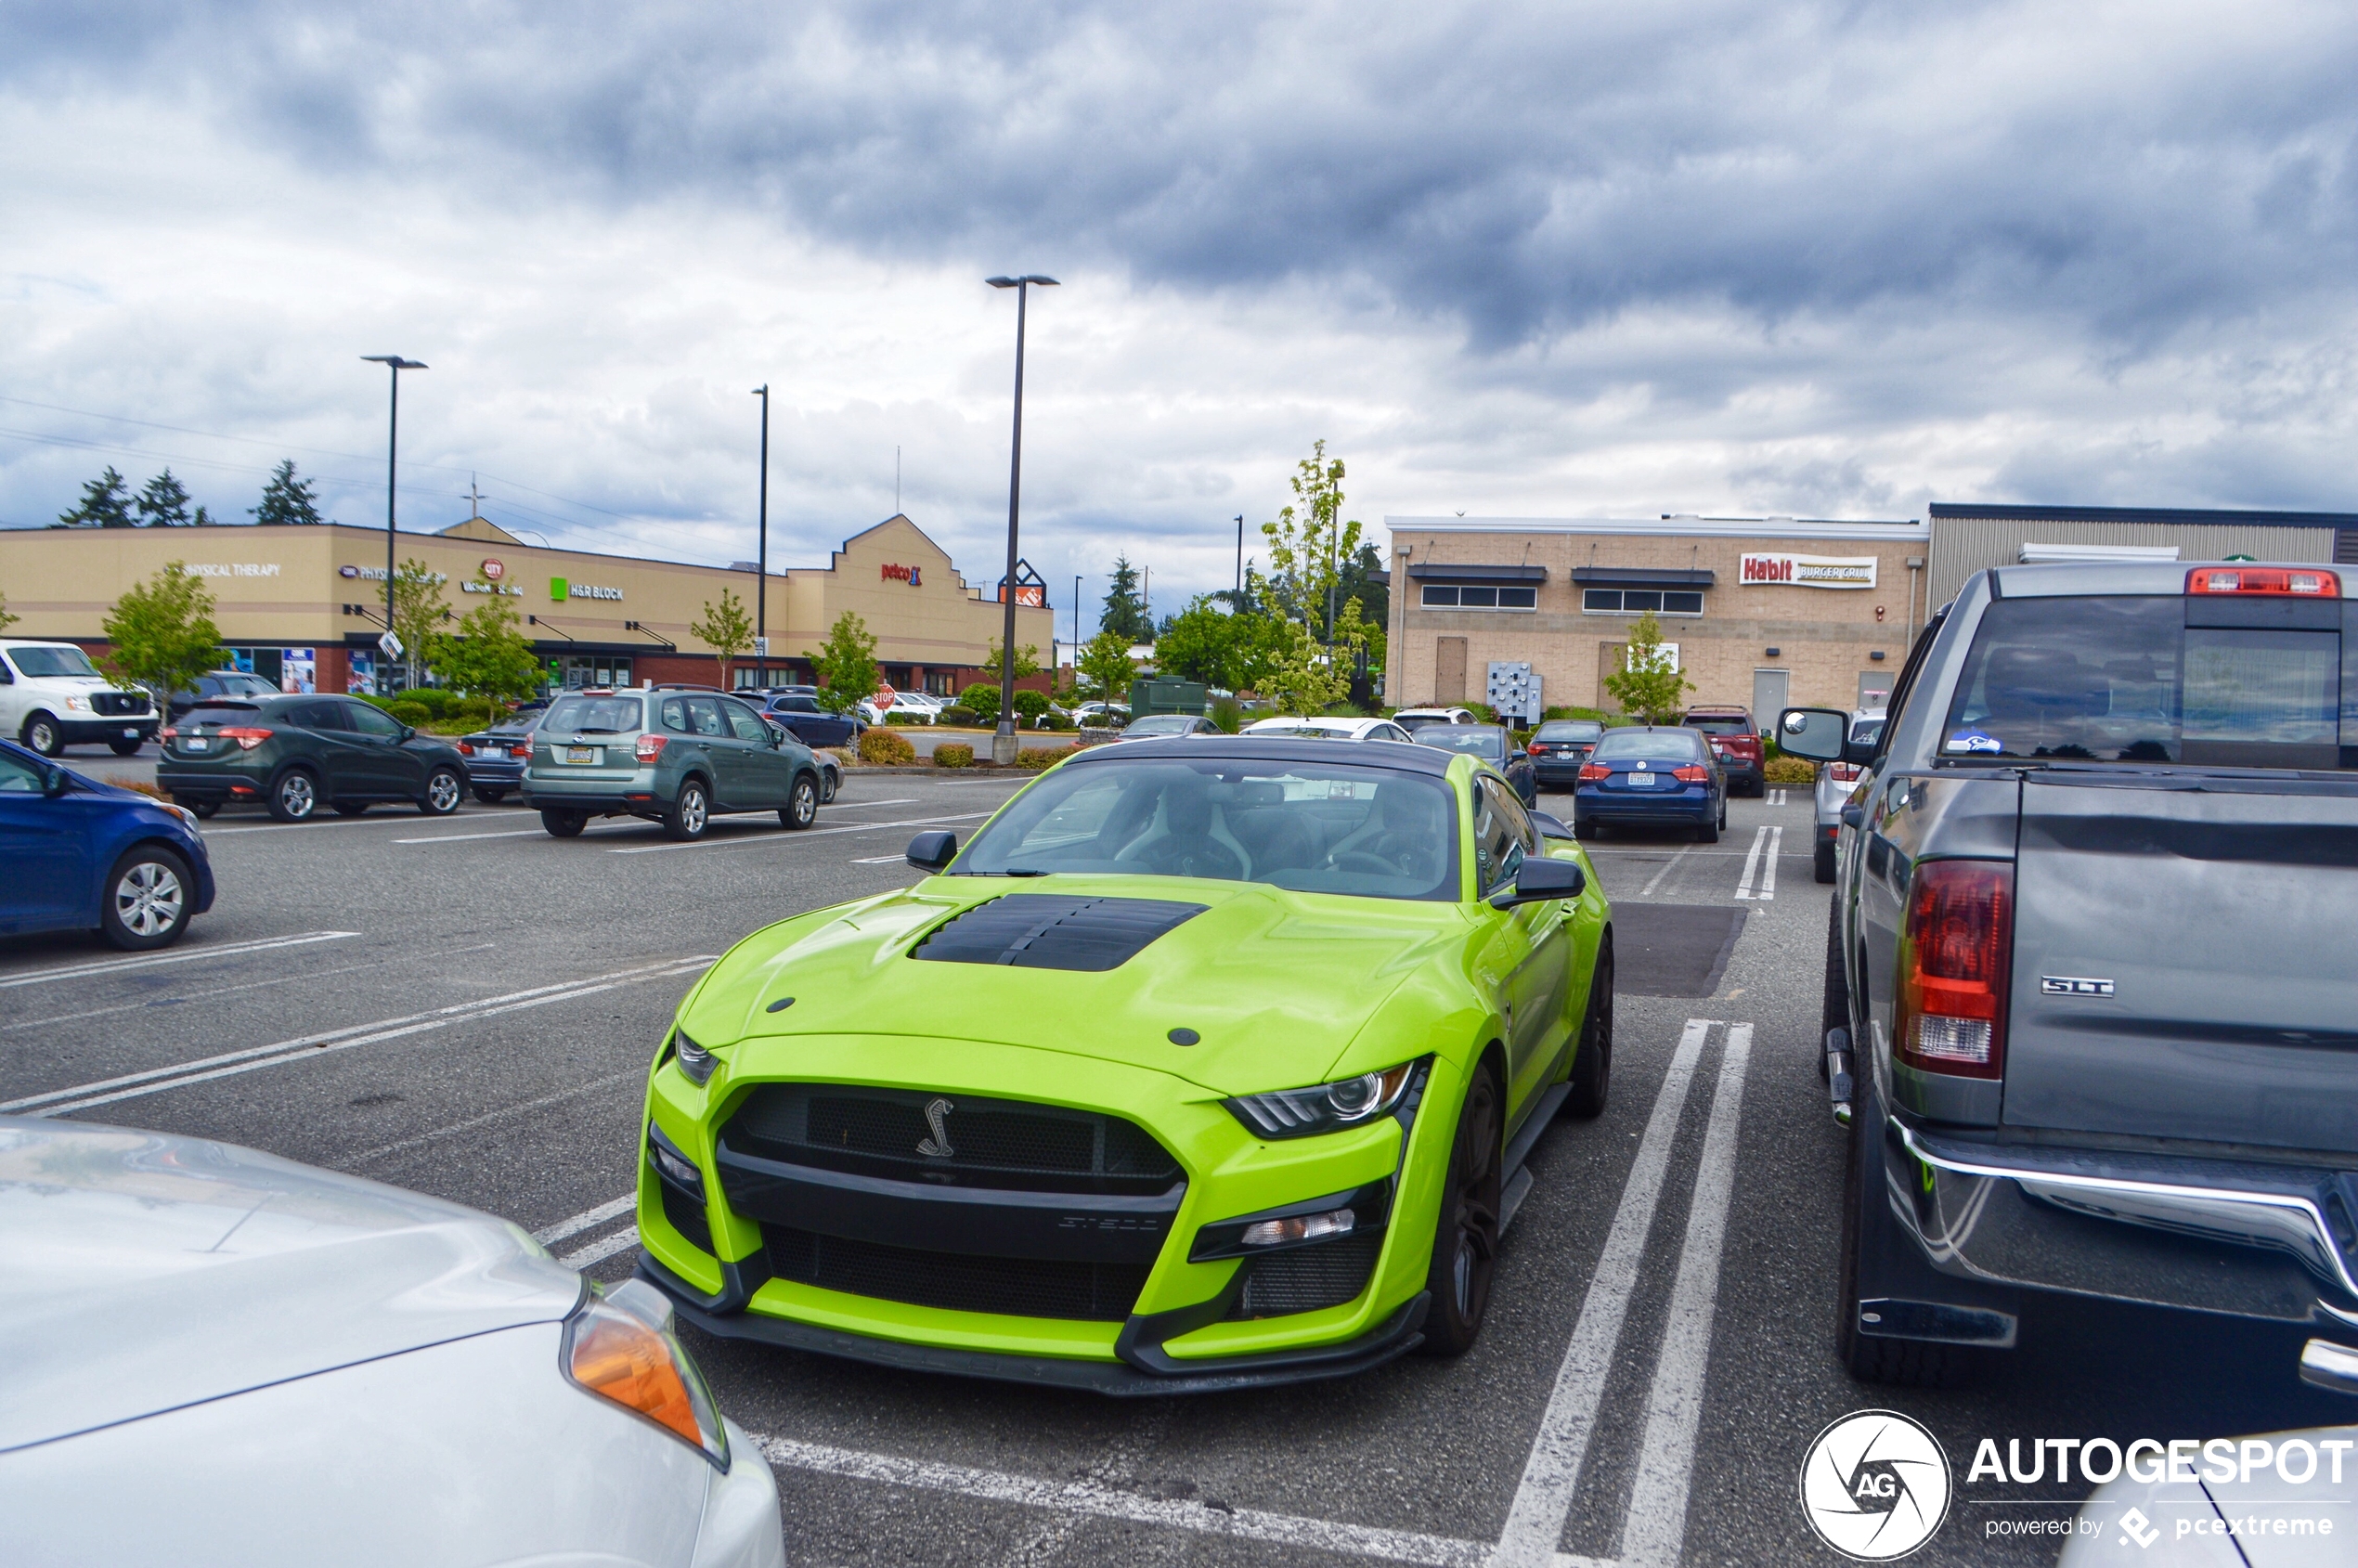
{"x": 1329, "y": 1107}
{"x": 188, "y": 818}
{"x": 620, "y": 1346}
{"x": 695, "y": 1060}
{"x": 77, "y": 705}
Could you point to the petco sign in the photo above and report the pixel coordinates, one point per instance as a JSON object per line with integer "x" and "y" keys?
{"x": 1809, "y": 571}
{"x": 910, "y": 574}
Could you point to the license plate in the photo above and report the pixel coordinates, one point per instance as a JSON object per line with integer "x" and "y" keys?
{"x": 131, "y": 734}
{"x": 585, "y": 756}
{"x": 1641, "y": 781}
{"x": 194, "y": 743}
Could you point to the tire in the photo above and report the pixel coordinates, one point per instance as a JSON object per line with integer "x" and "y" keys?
{"x": 124, "y": 748}
{"x": 445, "y": 789}
{"x": 1833, "y": 1006}
{"x": 828, "y": 785}
{"x": 1709, "y": 832}
{"x": 803, "y": 804}
{"x": 1465, "y": 1237}
{"x": 564, "y": 825}
{"x": 294, "y": 798}
{"x": 490, "y": 797}
{"x": 41, "y": 734}
{"x": 350, "y": 808}
{"x": 1821, "y": 862}
{"x": 147, "y": 900}
{"x": 690, "y": 814}
{"x": 1592, "y": 1063}
{"x": 202, "y": 810}
{"x": 1894, "y": 1363}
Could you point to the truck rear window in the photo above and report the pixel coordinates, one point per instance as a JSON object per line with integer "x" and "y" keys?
{"x": 2126, "y": 680}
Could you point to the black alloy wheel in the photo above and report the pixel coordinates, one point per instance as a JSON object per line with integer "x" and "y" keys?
{"x": 1465, "y": 1239}
{"x": 41, "y": 734}
{"x": 350, "y": 808}
{"x": 690, "y": 814}
{"x": 490, "y": 797}
{"x": 1592, "y": 1063}
{"x": 802, "y": 806}
{"x": 124, "y": 747}
{"x": 562, "y": 824}
{"x": 147, "y": 903}
{"x": 445, "y": 789}
{"x": 295, "y": 797}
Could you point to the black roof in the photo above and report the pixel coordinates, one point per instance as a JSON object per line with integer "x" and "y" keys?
{"x": 1404, "y": 757}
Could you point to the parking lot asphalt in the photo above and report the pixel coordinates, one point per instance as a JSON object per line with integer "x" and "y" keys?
{"x": 466, "y": 1006}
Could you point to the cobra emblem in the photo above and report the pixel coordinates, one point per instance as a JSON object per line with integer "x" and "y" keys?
{"x": 938, "y": 1146}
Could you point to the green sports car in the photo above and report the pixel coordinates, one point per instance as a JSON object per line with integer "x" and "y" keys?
{"x": 1208, "y": 1062}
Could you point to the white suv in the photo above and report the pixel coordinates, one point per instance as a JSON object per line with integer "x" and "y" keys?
{"x": 52, "y": 696}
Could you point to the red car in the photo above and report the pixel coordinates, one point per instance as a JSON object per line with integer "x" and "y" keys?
{"x": 1736, "y": 744}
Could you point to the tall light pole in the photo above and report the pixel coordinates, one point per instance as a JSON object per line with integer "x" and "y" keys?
{"x": 1002, "y": 742}
{"x": 1237, "y": 603}
{"x": 396, "y": 364}
{"x": 761, "y": 559}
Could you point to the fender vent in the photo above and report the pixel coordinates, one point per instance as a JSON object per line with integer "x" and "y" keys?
{"x": 1053, "y": 931}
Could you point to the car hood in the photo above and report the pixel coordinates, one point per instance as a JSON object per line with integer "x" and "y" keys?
{"x": 1276, "y": 984}
{"x": 145, "y": 1273}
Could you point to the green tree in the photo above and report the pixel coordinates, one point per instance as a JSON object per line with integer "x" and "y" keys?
{"x": 489, "y": 656}
{"x": 164, "y": 503}
{"x": 1203, "y": 642}
{"x": 105, "y": 503}
{"x": 1295, "y": 674}
{"x": 163, "y": 633}
{"x": 1357, "y": 580}
{"x": 6, "y": 621}
{"x": 1308, "y": 543}
{"x": 984, "y": 702}
{"x": 287, "y": 499}
{"x": 419, "y": 614}
{"x": 726, "y": 630}
{"x": 1027, "y": 660}
{"x": 846, "y": 663}
{"x": 1649, "y": 684}
{"x": 1105, "y": 669}
{"x": 1124, "y": 611}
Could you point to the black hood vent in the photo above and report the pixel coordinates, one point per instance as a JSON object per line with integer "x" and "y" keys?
{"x": 1055, "y": 931}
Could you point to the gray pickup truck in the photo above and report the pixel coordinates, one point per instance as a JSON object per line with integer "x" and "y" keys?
{"x": 2091, "y": 986}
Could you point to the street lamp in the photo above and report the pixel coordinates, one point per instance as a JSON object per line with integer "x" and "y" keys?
{"x": 396, "y": 364}
{"x": 1002, "y": 742}
{"x": 761, "y": 564}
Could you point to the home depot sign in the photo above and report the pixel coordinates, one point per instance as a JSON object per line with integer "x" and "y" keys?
{"x": 1809, "y": 571}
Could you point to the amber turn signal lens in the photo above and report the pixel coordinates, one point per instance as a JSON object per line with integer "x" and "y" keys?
{"x": 613, "y": 1354}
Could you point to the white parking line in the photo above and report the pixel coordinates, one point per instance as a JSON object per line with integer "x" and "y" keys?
{"x": 880, "y": 860}
{"x": 542, "y": 832}
{"x": 1543, "y": 1500}
{"x": 354, "y": 822}
{"x": 1776, "y": 797}
{"x": 1751, "y": 861}
{"x": 1767, "y": 887}
{"x": 586, "y": 1220}
{"x": 792, "y": 838}
{"x": 1667, "y": 867}
{"x": 1655, "y": 1530}
{"x": 178, "y": 955}
{"x": 600, "y": 1250}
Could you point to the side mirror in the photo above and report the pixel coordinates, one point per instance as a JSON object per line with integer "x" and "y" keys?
{"x": 932, "y": 852}
{"x": 53, "y": 781}
{"x": 1537, "y": 880}
{"x": 1817, "y": 734}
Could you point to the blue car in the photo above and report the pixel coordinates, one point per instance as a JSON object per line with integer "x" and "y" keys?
{"x": 81, "y": 856}
{"x": 1659, "y": 777}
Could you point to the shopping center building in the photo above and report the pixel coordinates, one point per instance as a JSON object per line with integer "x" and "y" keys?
{"x": 304, "y": 605}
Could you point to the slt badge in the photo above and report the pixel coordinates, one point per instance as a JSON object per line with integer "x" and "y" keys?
{"x": 2073, "y": 985}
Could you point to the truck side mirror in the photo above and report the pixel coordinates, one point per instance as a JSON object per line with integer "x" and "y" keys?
{"x": 1817, "y": 734}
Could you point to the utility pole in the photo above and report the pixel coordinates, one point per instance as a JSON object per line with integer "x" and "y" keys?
{"x": 1002, "y": 742}
{"x": 761, "y": 557}
{"x": 396, "y": 364}
{"x": 1076, "y": 624}
{"x": 1237, "y": 603}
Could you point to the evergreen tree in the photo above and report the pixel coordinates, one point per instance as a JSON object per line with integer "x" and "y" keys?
{"x": 287, "y": 499}
{"x": 1124, "y": 611}
{"x": 164, "y": 503}
{"x": 105, "y": 503}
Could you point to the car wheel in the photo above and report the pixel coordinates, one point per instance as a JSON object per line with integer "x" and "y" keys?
{"x": 828, "y": 785}
{"x": 295, "y": 797}
{"x": 445, "y": 789}
{"x": 564, "y": 825}
{"x": 1896, "y": 1363}
{"x": 147, "y": 904}
{"x": 125, "y": 748}
{"x": 803, "y": 805}
{"x": 690, "y": 814}
{"x": 1592, "y": 1064}
{"x": 1465, "y": 1238}
{"x": 1709, "y": 832}
{"x": 201, "y": 809}
{"x": 41, "y": 734}
{"x": 350, "y": 808}
{"x": 1821, "y": 862}
{"x": 490, "y": 797}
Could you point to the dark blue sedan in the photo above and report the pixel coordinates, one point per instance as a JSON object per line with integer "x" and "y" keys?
{"x": 1655, "y": 777}
{"x": 83, "y": 856}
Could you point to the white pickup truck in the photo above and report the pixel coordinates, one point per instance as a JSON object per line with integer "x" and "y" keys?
{"x": 52, "y": 696}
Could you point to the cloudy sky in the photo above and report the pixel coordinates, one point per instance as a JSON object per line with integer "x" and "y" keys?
{"x": 1547, "y": 259}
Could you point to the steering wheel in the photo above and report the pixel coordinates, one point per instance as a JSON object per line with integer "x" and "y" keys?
{"x": 1197, "y": 856}
{"x": 1344, "y": 860}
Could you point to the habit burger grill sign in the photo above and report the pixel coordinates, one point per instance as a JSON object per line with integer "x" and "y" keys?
{"x": 1807, "y": 571}
{"x": 904, "y": 575}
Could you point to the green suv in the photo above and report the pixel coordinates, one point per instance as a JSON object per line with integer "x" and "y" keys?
{"x": 294, "y": 753}
{"x": 671, "y": 757}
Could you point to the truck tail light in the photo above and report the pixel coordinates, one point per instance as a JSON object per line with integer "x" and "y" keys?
{"x": 247, "y": 739}
{"x": 1956, "y": 949}
{"x": 651, "y": 748}
{"x": 1590, "y": 773}
{"x": 1697, "y": 774}
{"x": 2306, "y": 581}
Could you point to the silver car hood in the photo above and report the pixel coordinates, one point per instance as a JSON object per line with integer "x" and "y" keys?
{"x": 142, "y": 1272}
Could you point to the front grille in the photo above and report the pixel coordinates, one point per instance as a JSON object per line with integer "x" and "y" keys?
{"x": 686, "y": 1215}
{"x": 992, "y": 1143}
{"x": 955, "y": 1281}
{"x": 1306, "y": 1279}
{"x": 119, "y": 704}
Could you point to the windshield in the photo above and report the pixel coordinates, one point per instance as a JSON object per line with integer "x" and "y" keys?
{"x": 1160, "y": 724}
{"x": 1479, "y": 739}
{"x": 593, "y": 715}
{"x": 1561, "y": 731}
{"x": 34, "y": 662}
{"x": 1866, "y": 731}
{"x": 1313, "y": 827}
{"x": 1648, "y": 746}
{"x": 2128, "y": 680}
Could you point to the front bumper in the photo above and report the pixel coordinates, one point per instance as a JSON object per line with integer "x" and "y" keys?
{"x": 86, "y": 731}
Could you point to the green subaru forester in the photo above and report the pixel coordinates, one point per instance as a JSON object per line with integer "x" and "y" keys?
{"x": 671, "y": 757}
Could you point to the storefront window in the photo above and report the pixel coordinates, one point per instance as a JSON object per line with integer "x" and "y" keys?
{"x": 1471, "y": 596}
{"x": 1638, "y": 602}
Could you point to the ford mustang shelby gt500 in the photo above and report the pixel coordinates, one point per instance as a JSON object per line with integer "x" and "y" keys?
{"x": 1207, "y": 1063}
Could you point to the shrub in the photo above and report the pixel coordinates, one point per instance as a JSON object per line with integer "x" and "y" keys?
{"x": 1029, "y": 705}
{"x": 982, "y": 702}
{"x": 1790, "y": 770}
{"x": 950, "y": 754}
{"x": 881, "y": 748}
{"x": 1032, "y": 759}
{"x": 900, "y": 716}
{"x": 414, "y": 714}
{"x": 958, "y": 715}
{"x": 1052, "y": 721}
{"x": 1227, "y": 715}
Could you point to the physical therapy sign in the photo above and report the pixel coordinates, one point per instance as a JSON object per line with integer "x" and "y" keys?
{"x": 1809, "y": 571}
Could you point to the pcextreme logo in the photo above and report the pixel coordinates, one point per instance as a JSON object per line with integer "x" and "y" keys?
{"x": 1875, "y": 1486}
